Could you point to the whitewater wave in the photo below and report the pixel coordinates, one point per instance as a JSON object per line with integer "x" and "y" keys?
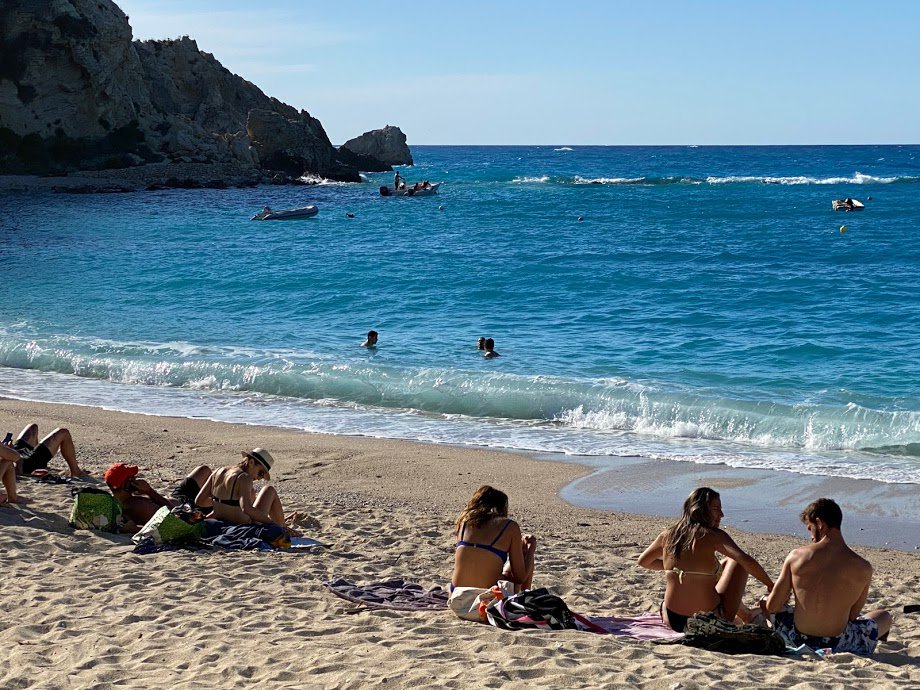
{"x": 564, "y": 148}
{"x": 606, "y": 406}
{"x": 519, "y": 179}
{"x": 856, "y": 178}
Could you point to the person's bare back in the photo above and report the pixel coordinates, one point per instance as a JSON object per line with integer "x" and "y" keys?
{"x": 831, "y": 583}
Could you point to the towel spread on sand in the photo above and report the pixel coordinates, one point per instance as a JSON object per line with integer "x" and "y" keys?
{"x": 648, "y": 626}
{"x": 399, "y": 594}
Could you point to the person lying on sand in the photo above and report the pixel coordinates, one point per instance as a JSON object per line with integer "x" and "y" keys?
{"x": 139, "y": 501}
{"x": 230, "y": 492}
{"x": 490, "y": 546}
{"x": 35, "y": 454}
{"x": 695, "y": 580}
{"x": 830, "y": 583}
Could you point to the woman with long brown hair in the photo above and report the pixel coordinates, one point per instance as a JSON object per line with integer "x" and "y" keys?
{"x": 695, "y": 580}
{"x": 490, "y": 546}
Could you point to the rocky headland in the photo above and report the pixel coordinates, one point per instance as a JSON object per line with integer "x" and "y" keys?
{"x": 82, "y": 102}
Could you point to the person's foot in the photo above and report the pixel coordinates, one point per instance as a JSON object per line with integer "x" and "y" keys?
{"x": 79, "y": 472}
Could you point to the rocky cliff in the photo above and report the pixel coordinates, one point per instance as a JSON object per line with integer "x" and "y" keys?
{"x": 76, "y": 92}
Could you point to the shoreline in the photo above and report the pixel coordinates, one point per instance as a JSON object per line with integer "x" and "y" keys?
{"x": 105, "y": 616}
{"x": 879, "y": 514}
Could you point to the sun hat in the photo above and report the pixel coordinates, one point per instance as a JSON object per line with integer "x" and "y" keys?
{"x": 118, "y": 474}
{"x": 263, "y": 457}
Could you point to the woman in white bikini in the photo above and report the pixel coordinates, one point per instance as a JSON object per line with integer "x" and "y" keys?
{"x": 695, "y": 580}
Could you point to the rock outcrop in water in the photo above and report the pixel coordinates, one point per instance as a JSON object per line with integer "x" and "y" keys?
{"x": 76, "y": 92}
{"x": 387, "y": 145}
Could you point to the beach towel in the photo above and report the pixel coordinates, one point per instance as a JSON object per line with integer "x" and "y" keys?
{"x": 251, "y": 537}
{"x": 647, "y": 626}
{"x": 399, "y": 594}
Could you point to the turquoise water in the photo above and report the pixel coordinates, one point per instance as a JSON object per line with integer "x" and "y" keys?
{"x": 707, "y": 308}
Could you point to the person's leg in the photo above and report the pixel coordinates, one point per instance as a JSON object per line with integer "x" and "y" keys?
{"x": 731, "y": 588}
{"x": 8, "y": 478}
{"x": 267, "y": 500}
{"x": 883, "y": 620}
{"x": 200, "y": 474}
{"x": 61, "y": 440}
{"x": 29, "y": 434}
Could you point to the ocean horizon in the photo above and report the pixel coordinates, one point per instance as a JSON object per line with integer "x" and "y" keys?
{"x": 690, "y": 303}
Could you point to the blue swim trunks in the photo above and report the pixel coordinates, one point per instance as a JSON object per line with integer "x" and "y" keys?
{"x": 859, "y": 637}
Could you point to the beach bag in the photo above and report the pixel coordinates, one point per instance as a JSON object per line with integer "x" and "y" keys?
{"x": 166, "y": 527}
{"x": 533, "y": 608}
{"x": 95, "y": 509}
{"x": 708, "y": 631}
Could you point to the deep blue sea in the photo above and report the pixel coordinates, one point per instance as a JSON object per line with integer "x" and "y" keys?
{"x": 694, "y": 303}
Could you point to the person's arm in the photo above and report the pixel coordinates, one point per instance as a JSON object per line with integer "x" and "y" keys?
{"x": 245, "y": 485}
{"x": 143, "y": 487}
{"x": 516, "y": 554}
{"x": 728, "y": 547}
{"x": 782, "y": 588}
{"x": 653, "y": 557}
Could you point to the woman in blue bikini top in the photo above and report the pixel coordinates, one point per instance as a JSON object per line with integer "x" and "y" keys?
{"x": 490, "y": 546}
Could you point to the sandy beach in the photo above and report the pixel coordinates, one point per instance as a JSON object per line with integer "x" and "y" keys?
{"x": 81, "y": 610}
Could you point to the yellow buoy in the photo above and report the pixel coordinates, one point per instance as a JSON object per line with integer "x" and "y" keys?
{"x": 843, "y": 228}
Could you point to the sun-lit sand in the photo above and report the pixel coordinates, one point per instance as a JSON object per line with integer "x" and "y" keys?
{"x": 81, "y": 610}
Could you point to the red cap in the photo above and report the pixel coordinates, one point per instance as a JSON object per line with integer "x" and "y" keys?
{"x": 118, "y": 474}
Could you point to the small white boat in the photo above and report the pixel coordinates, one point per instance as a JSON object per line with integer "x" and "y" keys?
{"x": 847, "y": 205}
{"x": 286, "y": 214}
{"x": 410, "y": 190}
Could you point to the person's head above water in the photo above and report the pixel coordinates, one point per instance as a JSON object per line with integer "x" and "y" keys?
{"x": 481, "y": 343}
{"x": 371, "y": 339}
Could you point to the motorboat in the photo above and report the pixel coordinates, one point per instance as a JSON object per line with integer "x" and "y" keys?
{"x": 847, "y": 205}
{"x": 286, "y": 214}
{"x": 410, "y": 190}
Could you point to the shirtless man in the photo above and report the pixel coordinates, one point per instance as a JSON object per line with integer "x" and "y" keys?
{"x": 830, "y": 583}
{"x": 371, "y": 341}
{"x": 139, "y": 501}
{"x": 489, "y": 347}
{"x": 35, "y": 454}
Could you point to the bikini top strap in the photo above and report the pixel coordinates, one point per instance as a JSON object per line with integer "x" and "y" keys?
{"x": 501, "y": 532}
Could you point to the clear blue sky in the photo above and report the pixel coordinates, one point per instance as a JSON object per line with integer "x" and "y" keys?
{"x": 575, "y": 71}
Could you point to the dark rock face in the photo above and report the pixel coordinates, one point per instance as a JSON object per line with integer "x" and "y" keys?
{"x": 76, "y": 92}
{"x": 387, "y": 145}
{"x": 361, "y": 162}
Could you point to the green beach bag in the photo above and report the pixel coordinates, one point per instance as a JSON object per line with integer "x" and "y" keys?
{"x": 95, "y": 509}
{"x": 166, "y": 528}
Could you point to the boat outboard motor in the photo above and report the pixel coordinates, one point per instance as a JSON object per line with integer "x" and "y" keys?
{"x": 384, "y": 191}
